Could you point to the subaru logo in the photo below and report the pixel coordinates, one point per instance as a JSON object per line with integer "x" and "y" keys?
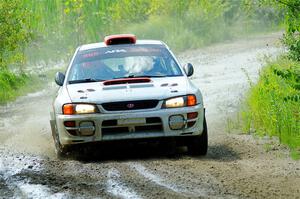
{"x": 130, "y": 105}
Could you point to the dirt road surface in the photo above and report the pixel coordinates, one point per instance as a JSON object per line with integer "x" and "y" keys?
{"x": 236, "y": 166}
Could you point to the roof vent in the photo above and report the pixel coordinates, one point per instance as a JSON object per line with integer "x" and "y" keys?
{"x": 120, "y": 39}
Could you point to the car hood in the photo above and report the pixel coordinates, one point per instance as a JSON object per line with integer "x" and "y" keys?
{"x": 157, "y": 88}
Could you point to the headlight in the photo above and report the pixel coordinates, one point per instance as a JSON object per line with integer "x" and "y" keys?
{"x": 188, "y": 100}
{"x": 71, "y": 109}
{"x": 175, "y": 102}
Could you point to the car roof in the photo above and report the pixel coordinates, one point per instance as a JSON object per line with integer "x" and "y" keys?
{"x": 102, "y": 44}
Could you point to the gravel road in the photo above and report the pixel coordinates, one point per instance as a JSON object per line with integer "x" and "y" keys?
{"x": 236, "y": 166}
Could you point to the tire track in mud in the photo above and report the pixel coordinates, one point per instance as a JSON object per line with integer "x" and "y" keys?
{"x": 117, "y": 188}
{"x": 178, "y": 178}
{"x": 127, "y": 179}
{"x": 154, "y": 178}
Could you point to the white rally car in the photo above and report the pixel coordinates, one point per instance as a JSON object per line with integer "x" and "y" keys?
{"x": 126, "y": 89}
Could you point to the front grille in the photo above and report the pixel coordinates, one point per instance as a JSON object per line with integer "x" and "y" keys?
{"x": 148, "y": 128}
{"x": 110, "y": 123}
{"x": 130, "y": 105}
{"x": 153, "y": 124}
{"x": 116, "y": 130}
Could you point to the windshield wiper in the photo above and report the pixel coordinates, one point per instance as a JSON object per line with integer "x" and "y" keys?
{"x": 151, "y": 76}
{"x": 138, "y": 76}
{"x": 85, "y": 81}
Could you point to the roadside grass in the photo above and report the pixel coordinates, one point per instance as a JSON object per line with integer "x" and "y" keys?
{"x": 13, "y": 85}
{"x": 272, "y": 106}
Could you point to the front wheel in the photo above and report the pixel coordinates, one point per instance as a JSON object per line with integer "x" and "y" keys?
{"x": 198, "y": 145}
{"x": 61, "y": 151}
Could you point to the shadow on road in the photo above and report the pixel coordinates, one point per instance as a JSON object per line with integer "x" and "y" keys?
{"x": 124, "y": 151}
{"x": 222, "y": 153}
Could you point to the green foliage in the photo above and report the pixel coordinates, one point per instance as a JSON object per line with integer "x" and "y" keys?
{"x": 130, "y": 11}
{"x": 14, "y": 32}
{"x": 291, "y": 10}
{"x": 273, "y": 105}
{"x": 13, "y": 85}
{"x": 292, "y": 41}
{"x": 9, "y": 83}
{"x": 292, "y": 21}
{"x": 198, "y": 24}
{"x": 61, "y": 25}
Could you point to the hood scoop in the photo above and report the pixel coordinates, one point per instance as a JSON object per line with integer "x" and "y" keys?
{"x": 126, "y": 81}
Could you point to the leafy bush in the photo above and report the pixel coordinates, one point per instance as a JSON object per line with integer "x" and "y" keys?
{"x": 291, "y": 10}
{"x": 14, "y": 32}
{"x": 292, "y": 20}
{"x": 292, "y": 41}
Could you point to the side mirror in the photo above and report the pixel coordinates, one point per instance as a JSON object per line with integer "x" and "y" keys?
{"x": 59, "y": 78}
{"x": 189, "y": 69}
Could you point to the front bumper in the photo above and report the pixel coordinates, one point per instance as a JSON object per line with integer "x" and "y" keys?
{"x": 135, "y": 125}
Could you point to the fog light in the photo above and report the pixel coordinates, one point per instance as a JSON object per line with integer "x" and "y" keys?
{"x": 176, "y": 122}
{"x": 190, "y": 124}
{"x": 69, "y": 123}
{"x": 192, "y": 115}
{"x": 86, "y": 128}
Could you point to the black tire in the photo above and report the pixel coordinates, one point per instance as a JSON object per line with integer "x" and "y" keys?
{"x": 198, "y": 145}
{"x": 61, "y": 151}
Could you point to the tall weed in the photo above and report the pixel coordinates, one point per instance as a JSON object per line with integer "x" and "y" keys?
{"x": 273, "y": 105}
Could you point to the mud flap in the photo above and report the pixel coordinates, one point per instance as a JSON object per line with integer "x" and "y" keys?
{"x": 52, "y": 124}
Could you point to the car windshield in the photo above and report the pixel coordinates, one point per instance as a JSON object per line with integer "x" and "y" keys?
{"x": 123, "y": 61}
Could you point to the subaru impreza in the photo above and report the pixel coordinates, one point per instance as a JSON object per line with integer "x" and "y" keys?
{"x": 127, "y": 89}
